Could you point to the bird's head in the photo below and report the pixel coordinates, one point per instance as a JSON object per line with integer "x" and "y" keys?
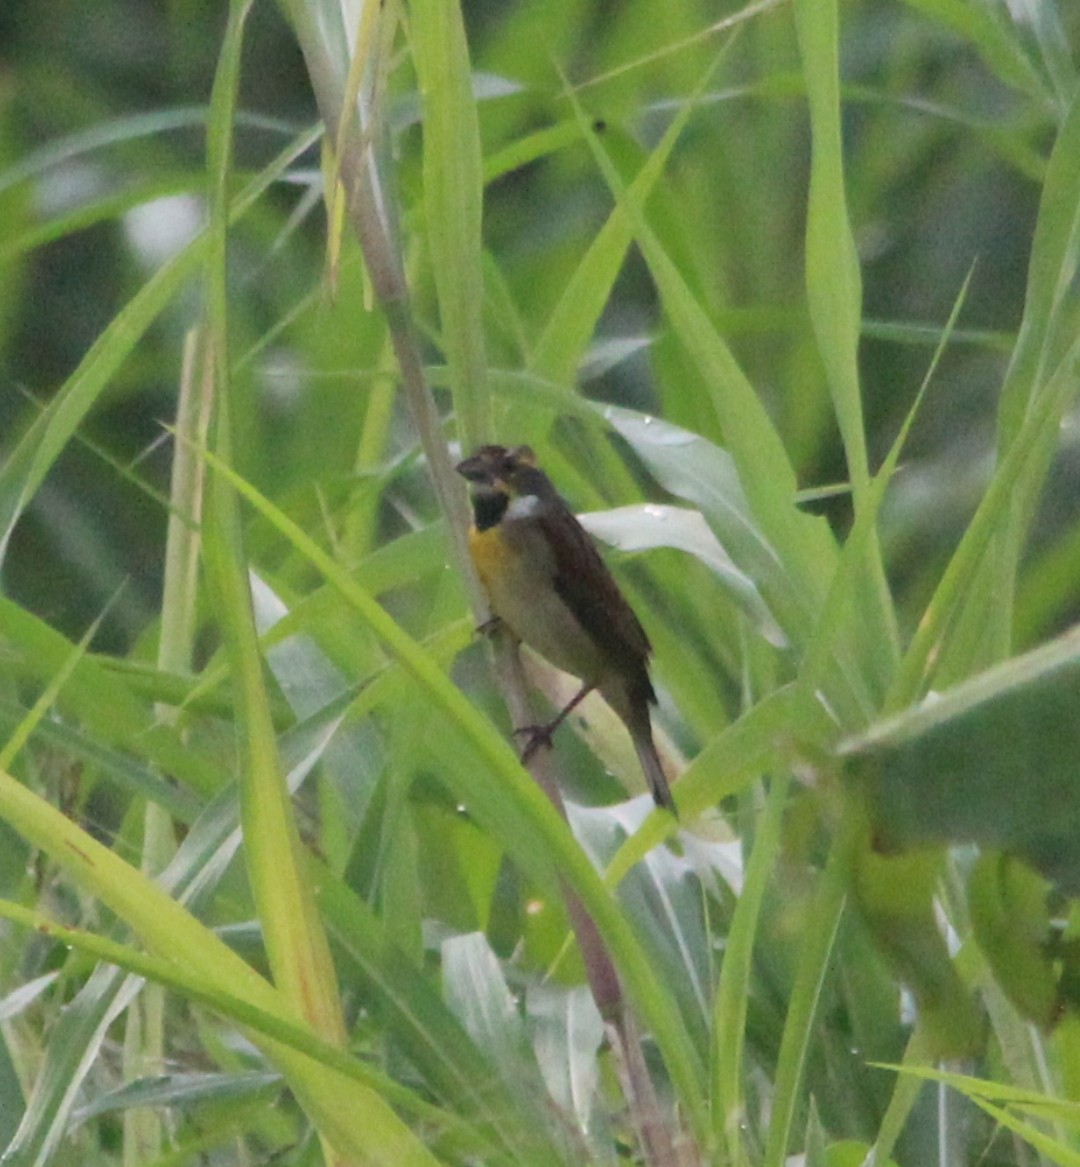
{"x": 509, "y": 471}
{"x": 504, "y": 482}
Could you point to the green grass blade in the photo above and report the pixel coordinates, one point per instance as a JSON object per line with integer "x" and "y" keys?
{"x": 992, "y": 761}
{"x": 1040, "y": 432}
{"x": 834, "y": 293}
{"x": 736, "y": 979}
{"x": 833, "y": 278}
{"x": 297, "y": 946}
{"x": 836, "y": 612}
{"x": 820, "y": 930}
{"x": 453, "y": 188}
{"x": 743, "y": 751}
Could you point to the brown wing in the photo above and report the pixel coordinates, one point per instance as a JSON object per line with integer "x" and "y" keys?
{"x": 588, "y": 589}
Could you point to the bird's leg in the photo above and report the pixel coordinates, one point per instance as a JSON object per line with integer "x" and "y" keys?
{"x": 541, "y": 735}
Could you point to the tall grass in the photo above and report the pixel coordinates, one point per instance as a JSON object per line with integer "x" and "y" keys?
{"x": 785, "y": 298}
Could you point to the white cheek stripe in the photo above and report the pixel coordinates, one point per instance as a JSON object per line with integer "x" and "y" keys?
{"x": 526, "y": 506}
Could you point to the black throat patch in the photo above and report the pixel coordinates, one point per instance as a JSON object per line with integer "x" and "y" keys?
{"x": 489, "y": 508}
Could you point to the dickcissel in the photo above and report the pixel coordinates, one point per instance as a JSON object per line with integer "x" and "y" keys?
{"x": 546, "y": 582}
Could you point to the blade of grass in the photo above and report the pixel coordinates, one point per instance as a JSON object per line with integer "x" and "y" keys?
{"x": 140, "y": 781}
{"x": 833, "y": 278}
{"x": 369, "y": 207}
{"x": 749, "y": 434}
{"x": 291, "y": 926}
{"x": 44, "y": 703}
{"x": 835, "y": 610}
{"x": 453, "y": 190}
{"x": 75, "y": 1042}
{"x": 733, "y": 991}
{"x": 145, "y": 1033}
{"x": 1055, "y": 1151}
{"x": 902, "y": 1100}
{"x": 297, "y": 945}
{"x": 989, "y": 1089}
{"x": 98, "y": 210}
{"x": 820, "y": 930}
{"x": 834, "y": 294}
{"x": 365, "y": 61}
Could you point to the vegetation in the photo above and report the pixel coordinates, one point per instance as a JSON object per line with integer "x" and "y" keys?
{"x": 785, "y": 297}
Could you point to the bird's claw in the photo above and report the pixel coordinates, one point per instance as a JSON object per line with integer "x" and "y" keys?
{"x": 537, "y": 735}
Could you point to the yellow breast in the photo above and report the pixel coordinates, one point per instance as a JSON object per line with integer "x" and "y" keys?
{"x": 517, "y": 576}
{"x": 491, "y": 555}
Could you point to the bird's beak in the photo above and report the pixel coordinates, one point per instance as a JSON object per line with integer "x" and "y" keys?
{"x": 475, "y": 469}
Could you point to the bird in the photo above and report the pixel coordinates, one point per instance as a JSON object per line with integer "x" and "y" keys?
{"x": 546, "y": 583}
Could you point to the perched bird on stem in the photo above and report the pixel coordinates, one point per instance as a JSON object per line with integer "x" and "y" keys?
{"x": 546, "y": 582}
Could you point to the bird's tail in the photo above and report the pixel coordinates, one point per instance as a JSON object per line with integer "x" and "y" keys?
{"x": 650, "y": 764}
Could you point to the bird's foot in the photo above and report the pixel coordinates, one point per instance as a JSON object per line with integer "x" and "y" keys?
{"x": 541, "y": 735}
{"x": 535, "y": 737}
